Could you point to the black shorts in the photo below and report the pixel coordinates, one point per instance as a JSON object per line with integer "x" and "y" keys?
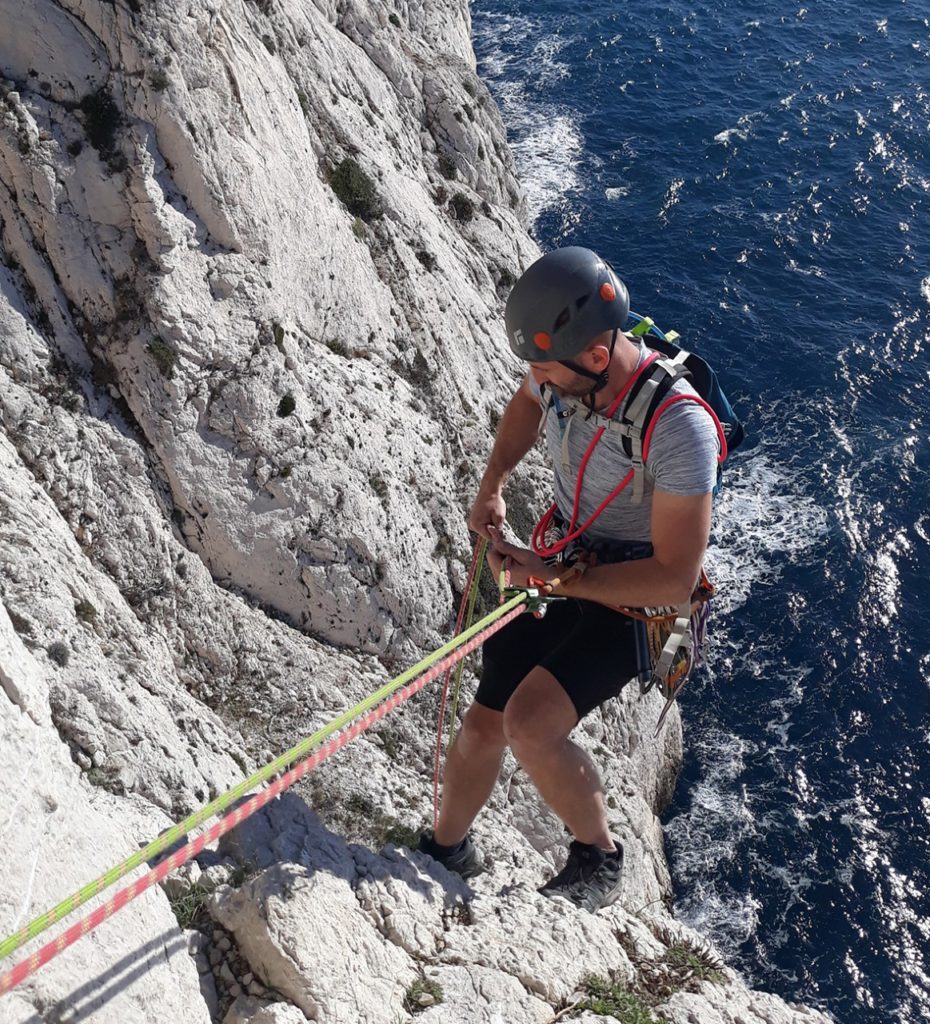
{"x": 591, "y": 650}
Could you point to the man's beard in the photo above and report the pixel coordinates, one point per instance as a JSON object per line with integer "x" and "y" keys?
{"x": 578, "y": 387}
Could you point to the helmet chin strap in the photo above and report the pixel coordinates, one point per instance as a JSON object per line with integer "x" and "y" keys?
{"x": 600, "y": 379}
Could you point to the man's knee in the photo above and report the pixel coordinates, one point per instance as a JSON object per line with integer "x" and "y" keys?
{"x": 539, "y": 717}
{"x": 482, "y": 729}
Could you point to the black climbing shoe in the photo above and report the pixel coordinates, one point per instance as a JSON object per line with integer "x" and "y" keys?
{"x": 462, "y": 858}
{"x": 591, "y": 878}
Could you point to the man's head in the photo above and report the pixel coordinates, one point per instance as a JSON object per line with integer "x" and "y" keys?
{"x": 564, "y": 301}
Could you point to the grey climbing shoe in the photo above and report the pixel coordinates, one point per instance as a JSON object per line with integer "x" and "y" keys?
{"x": 463, "y": 858}
{"x": 591, "y": 878}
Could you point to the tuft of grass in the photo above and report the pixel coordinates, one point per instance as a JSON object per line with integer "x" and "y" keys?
{"x": 694, "y": 961}
{"x": 378, "y": 484}
{"x": 338, "y": 347}
{"x": 304, "y": 100}
{"x": 287, "y": 405}
{"x": 191, "y": 905}
{"x": 85, "y": 611}
{"x": 358, "y": 228}
{"x": 420, "y": 988}
{"x": 164, "y": 355}
{"x": 355, "y": 189}
{"x": 611, "y": 1000}
{"x": 158, "y": 79}
{"x": 394, "y": 20}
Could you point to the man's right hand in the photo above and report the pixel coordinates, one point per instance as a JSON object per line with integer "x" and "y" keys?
{"x": 489, "y": 509}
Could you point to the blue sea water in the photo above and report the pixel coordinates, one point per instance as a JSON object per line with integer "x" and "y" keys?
{"x": 759, "y": 174}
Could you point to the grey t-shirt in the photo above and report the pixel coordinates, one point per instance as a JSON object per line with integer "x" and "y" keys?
{"x": 682, "y": 459}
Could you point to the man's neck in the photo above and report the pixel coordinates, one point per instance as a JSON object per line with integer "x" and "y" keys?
{"x": 622, "y": 367}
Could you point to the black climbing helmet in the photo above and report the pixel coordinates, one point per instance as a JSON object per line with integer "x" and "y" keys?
{"x": 562, "y": 303}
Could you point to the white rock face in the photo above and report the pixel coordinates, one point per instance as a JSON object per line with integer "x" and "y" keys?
{"x": 253, "y": 258}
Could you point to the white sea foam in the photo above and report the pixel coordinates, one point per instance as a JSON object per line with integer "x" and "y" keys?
{"x": 925, "y": 288}
{"x": 544, "y": 137}
{"x": 672, "y": 197}
{"x": 769, "y": 521}
{"x": 616, "y": 192}
{"x": 547, "y": 150}
{"x": 741, "y": 130}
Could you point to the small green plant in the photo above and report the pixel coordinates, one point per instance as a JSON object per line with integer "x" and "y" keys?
{"x": 504, "y": 278}
{"x": 85, "y": 611}
{"x": 446, "y": 166}
{"x": 355, "y": 189}
{"x": 338, "y": 347}
{"x": 285, "y": 471}
{"x": 191, "y": 905}
{"x": 287, "y": 405}
{"x": 394, "y": 20}
{"x": 59, "y": 652}
{"x": 164, "y": 355}
{"x": 422, "y": 994}
{"x": 462, "y": 207}
{"x": 102, "y": 121}
{"x": 304, "y": 100}
{"x": 612, "y": 1000}
{"x": 158, "y": 79}
{"x": 694, "y": 961}
{"x": 358, "y": 228}
{"x": 391, "y": 745}
{"x": 378, "y": 484}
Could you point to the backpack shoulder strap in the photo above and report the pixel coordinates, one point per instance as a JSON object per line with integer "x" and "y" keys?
{"x": 645, "y": 398}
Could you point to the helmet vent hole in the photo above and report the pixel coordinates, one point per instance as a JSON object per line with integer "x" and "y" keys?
{"x": 562, "y": 319}
{"x": 580, "y": 302}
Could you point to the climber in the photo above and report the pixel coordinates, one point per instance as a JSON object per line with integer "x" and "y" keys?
{"x": 565, "y": 316}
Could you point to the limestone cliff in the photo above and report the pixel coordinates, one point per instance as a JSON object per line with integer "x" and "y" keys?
{"x": 253, "y": 256}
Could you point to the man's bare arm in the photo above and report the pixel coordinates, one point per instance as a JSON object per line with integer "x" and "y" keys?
{"x": 515, "y": 436}
{"x": 680, "y": 530}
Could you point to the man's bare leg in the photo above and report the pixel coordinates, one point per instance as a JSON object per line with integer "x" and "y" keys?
{"x": 537, "y": 722}
{"x": 472, "y": 768}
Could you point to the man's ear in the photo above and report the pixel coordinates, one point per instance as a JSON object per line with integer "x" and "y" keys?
{"x": 600, "y": 357}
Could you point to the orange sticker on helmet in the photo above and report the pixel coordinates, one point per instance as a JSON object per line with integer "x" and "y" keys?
{"x": 608, "y": 293}
{"x": 542, "y": 340}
